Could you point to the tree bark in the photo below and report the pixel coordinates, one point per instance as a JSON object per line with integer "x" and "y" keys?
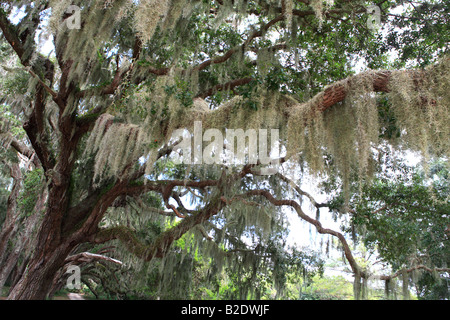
{"x": 10, "y": 223}
{"x": 405, "y": 284}
{"x": 24, "y": 241}
{"x": 357, "y": 286}
{"x": 37, "y": 281}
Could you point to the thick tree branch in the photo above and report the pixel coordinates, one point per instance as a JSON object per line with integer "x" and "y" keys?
{"x": 116, "y": 82}
{"x": 42, "y": 83}
{"x": 337, "y": 92}
{"x": 35, "y": 129}
{"x": 87, "y": 257}
{"x": 78, "y": 213}
{"x": 161, "y": 245}
{"x": 331, "y": 95}
{"x": 23, "y": 149}
{"x": 10, "y": 33}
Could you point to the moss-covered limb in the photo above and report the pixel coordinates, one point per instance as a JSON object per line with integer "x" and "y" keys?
{"x": 36, "y": 126}
{"x": 21, "y": 42}
{"x": 22, "y": 149}
{"x": 110, "y": 88}
{"x": 76, "y": 216}
{"x": 162, "y": 243}
{"x": 165, "y": 187}
{"x": 39, "y": 143}
{"x": 125, "y": 235}
{"x": 337, "y": 92}
{"x": 306, "y": 127}
{"x": 10, "y": 33}
{"x": 410, "y": 270}
{"x": 301, "y": 192}
{"x": 374, "y": 81}
{"x": 42, "y": 83}
{"x": 94, "y": 206}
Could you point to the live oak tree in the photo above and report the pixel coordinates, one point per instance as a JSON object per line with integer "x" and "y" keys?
{"x": 87, "y": 127}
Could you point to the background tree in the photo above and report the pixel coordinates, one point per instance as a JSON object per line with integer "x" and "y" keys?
{"x": 404, "y": 216}
{"x": 99, "y": 112}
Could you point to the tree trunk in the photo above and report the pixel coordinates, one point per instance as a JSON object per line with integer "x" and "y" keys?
{"x": 387, "y": 289}
{"x": 37, "y": 280}
{"x": 10, "y": 224}
{"x": 405, "y": 285}
{"x": 22, "y": 247}
{"x": 357, "y": 286}
{"x": 8, "y": 266}
{"x": 24, "y": 241}
{"x": 364, "y": 289}
{"x": 49, "y": 255}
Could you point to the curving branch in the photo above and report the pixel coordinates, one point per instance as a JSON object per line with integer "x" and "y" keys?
{"x": 301, "y": 192}
{"x": 87, "y": 257}
{"x": 11, "y": 34}
{"x": 42, "y": 83}
{"x": 22, "y": 148}
{"x": 293, "y": 204}
{"x": 357, "y": 270}
{"x": 162, "y": 243}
